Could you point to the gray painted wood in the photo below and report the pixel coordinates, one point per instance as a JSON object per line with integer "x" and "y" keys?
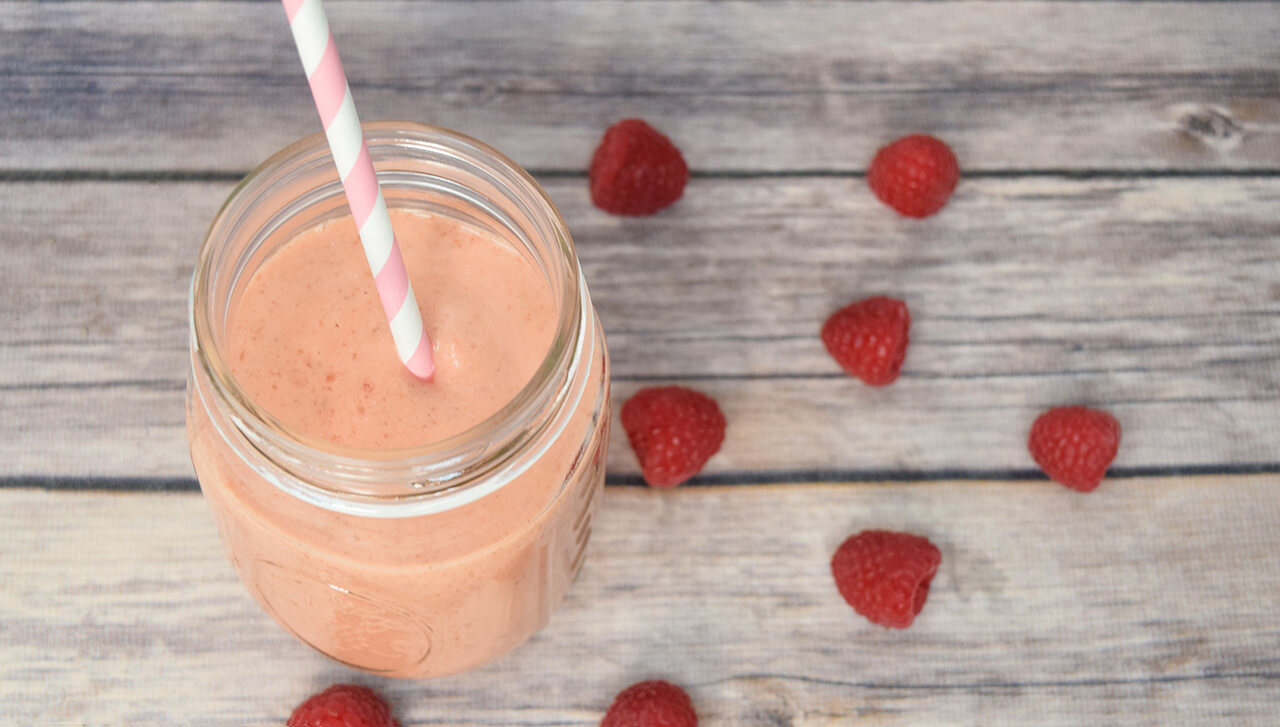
{"x": 1148, "y": 603}
{"x": 1156, "y": 298}
{"x": 740, "y": 86}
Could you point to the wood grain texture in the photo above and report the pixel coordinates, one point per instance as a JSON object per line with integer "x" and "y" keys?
{"x": 1115, "y": 243}
{"x": 739, "y": 85}
{"x": 1157, "y": 298}
{"x": 1149, "y": 602}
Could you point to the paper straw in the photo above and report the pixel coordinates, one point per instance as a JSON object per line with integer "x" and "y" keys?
{"x": 346, "y": 141}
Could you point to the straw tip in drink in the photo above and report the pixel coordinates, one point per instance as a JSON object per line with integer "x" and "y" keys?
{"x": 422, "y": 363}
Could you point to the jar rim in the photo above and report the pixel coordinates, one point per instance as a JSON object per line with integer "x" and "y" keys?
{"x": 435, "y": 462}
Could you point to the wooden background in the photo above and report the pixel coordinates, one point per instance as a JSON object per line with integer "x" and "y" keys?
{"x": 1113, "y": 242}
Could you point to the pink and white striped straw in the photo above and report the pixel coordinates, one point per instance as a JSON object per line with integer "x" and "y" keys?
{"x": 337, "y": 110}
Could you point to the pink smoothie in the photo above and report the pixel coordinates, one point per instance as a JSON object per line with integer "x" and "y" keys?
{"x": 307, "y": 341}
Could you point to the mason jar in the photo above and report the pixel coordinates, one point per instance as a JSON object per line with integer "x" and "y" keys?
{"x": 412, "y": 562}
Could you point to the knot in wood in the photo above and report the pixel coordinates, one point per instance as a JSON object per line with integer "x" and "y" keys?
{"x": 1212, "y": 126}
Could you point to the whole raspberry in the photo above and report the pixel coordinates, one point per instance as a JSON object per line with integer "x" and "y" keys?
{"x": 636, "y": 170}
{"x": 651, "y": 704}
{"x": 674, "y": 431}
{"x": 915, "y": 175}
{"x": 343, "y": 705}
{"x": 869, "y": 338}
{"x": 885, "y": 575}
{"x": 1074, "y": 445}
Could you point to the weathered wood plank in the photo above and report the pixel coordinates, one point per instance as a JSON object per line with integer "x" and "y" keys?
{"x": 740, "y": 86}
{"x": 1127, "y": 606}
{"x": 1155, "y": 297}
{"x": 776, "y": 428}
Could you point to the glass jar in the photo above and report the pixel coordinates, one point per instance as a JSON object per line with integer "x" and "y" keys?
{"x": 417, "y": 562}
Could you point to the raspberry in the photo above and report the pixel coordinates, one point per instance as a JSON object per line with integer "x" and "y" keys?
{"x": 914, "y": 175}
{"x": 636, "y": 170}
{"x": 651, "y": 704}
{"x": 885, "y": 576}
{"x": 343, "y": 705}
{"x": 674, "y": 431}
{"x": 869, "y": 338}
{"x": 1074, "y": 445}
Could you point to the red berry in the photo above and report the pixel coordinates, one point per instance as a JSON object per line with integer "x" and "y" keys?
{"x": 869, "y": 338}
{"x": 343, "y": 705}
{"x": 885, "y": 576}
{"x": 651, "y": 704}
{"x": 915, "y": 175}
{"x": 674, "y": 431}
{"x": 1074, "y": 445}
{"x": 636, "y": 170}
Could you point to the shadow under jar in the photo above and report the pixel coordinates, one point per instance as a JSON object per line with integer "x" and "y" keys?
{"x": 420, "y": 561}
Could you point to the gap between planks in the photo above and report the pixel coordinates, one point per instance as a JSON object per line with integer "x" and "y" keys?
{"x": 10, "y": 176}
{"x": 849, "y": 478}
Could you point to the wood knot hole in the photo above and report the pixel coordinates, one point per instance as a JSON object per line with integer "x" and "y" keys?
{"x": 1212, "y": 126}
